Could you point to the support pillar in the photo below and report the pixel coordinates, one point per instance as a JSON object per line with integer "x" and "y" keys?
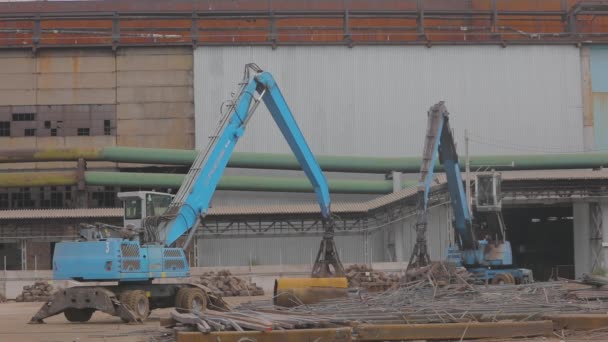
{"x": 599, "y": 235}
{"x": 587, "y": 99}
{"x": 581, "y": 232}
{"x": 398, "y": 230}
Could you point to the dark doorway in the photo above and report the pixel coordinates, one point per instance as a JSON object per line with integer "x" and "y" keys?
{"x": 542, "y": 240}
{"x": 11, "y": 254}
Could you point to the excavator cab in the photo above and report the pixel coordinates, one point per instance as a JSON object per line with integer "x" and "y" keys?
{"x": 138, "y": 205}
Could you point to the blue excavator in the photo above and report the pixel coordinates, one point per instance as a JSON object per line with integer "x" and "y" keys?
{"x": 138, "y": 259}
{"x": 481, "y": 245}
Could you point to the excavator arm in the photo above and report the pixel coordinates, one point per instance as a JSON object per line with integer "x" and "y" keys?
{"x": 439, "y": 143}
{"x": 192, "y": 201}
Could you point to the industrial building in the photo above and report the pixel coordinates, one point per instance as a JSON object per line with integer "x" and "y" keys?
{"x": 528, "y": 81}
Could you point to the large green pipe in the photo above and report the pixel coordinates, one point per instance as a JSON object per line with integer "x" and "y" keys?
{"x": 34, "y": 179}
{"x": 242, "y": 183}
{"x": 289, "y": 162}
{"x": 162, "y": 180}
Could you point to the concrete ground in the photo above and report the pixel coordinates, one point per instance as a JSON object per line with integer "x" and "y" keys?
{"x": 102, "y": 327}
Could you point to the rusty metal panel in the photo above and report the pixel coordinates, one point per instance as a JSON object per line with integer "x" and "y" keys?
{"x": 154, "y": 78}
{"x": 154, "y": 62}
{"x": 17, "y": 97}
{"x": 372, "y": 101}
{"x": 75, "y": 64}
{"x": 17, "y": 81}
{"x": 157, "y": 110}
{"x": 154, "y": 94}
{"x": 76, "y": 96}
{"x": 452, "y": 331}
{"x": 164, "y": 141}
{"x": 70, "y": 80}
{"x": 170, "y": 127}
{"x": 17, "y": 65}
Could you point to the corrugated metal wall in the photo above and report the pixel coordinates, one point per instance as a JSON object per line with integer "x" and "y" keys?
{"x": 599, "y": 87}
{"x": 372, "y": 100}
{"x": 288, "y": 250}
{"x": 382, "y": 245}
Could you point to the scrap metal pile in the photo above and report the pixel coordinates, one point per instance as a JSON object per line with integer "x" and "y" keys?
{"x": 363, "y": 276}
{"x": 417, "y": 302}
{"x": 439, "y": 273}
{"x": 39, "y": 292}
{"x": 223, "y": 283}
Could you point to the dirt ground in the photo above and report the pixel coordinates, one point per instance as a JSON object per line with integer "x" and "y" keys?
{"x": 102, "y": 327}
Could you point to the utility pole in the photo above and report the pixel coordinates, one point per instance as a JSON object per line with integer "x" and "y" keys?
{"x": 467, "y": 168}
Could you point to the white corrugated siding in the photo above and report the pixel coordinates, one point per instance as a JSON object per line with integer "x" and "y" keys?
{"x": 372, "y": 100}
{"x": 352, "y": 248}
{"x": 287, "y": 250}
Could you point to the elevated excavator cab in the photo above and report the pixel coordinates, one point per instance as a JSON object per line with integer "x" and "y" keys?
{"x": 138, "y": 205}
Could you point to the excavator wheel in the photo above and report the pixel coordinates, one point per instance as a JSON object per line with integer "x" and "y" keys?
{"x": 194, "y": 300}
{"x": 139, "y": 304}
{"x": 502, "y": 279}
{"x": 78, "y": 315}
{"x": 179, "y": 298}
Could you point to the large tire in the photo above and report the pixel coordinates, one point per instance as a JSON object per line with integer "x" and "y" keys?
{"x": 502, "y": 279}
{"x": 194, "y": 301}
{"x": 137, "y": 301}
{"x": 78, "y": 315}
{"x": 511, "y": 278}
{"x": 179, "y": 299}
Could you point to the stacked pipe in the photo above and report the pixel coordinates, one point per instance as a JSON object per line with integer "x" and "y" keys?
{"x": 257, "y": 161}
{"x": 225, "y": 284}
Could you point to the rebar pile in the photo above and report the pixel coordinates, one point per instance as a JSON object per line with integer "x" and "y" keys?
{"x": 417, "y": 302}
{"x": 440, "y": 273}
{"x": 363, "y": 276}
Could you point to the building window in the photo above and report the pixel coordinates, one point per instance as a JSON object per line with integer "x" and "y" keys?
{"x": 5, "y": 129}
{"x": 83, "y": 131}
{"x": 107, "y": 128}
{"x": 53, "y": 132}
{"x": 4, "y": 203}
{"x": 47, "y": 124}
{"x": 29, "y": 132}
{"x": 24, "y": 116}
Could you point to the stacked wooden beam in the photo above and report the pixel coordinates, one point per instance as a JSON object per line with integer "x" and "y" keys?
{"x": 223, "y": 283}
{"x": 40, "y": 291}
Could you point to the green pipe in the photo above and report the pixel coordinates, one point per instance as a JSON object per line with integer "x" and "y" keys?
{"x": 34, "y": 179}
{"x": 242, "y": 183}
{"x": 359, "y": 164}
{"x": 289, "y": 162}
